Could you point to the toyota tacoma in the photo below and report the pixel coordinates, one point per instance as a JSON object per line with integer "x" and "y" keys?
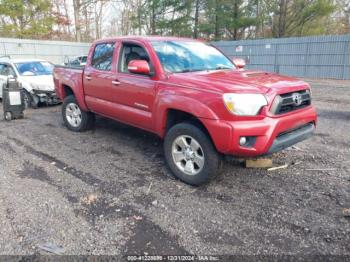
{"x": 190, "y": 94}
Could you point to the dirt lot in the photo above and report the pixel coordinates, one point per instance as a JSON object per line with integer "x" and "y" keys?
{"x": 107, "y": 191}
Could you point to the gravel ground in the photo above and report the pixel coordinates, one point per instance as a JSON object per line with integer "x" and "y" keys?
{"x": 107, "y": 191}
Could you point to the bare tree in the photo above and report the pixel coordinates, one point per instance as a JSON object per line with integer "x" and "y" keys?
{"x": 77, "y": 8}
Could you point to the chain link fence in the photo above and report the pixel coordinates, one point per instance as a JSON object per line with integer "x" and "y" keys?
{"x": 314, "y": 57}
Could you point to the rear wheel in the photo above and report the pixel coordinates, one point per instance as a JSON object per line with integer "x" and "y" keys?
{"x": 190, "y": 154}
{"x": 74, "y": 117}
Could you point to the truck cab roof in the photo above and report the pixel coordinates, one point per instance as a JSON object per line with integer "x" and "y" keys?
{"x": 145, "y": 39}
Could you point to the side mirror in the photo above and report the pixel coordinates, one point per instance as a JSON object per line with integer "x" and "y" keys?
{"x": 139, "y": 67}
{"x": 239, "y": 62}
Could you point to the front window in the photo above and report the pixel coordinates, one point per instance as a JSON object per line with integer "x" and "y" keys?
{"x": 34, "y": 68}
{"x": 131, "y": 52}
{"x": 190, "y": 56}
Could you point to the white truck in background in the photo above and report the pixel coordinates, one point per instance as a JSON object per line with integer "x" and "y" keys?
{"x": 77, "y": 61}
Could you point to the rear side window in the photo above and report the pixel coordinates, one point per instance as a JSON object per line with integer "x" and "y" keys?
{"x": 103, "y": 55}
{"x": 6, "y": 70}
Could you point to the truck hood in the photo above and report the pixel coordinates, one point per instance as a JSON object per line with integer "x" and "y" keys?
{"x": 40, "y": 83}
{"x": 245, "y": 81}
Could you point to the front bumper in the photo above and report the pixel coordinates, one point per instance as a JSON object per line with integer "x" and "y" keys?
{"x": 48, "y": 97}
{"x": 291, "y": 137}
{"x": 270, "y": 134}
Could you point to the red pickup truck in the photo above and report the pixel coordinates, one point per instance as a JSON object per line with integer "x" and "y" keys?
{"x": 203, "y": 104}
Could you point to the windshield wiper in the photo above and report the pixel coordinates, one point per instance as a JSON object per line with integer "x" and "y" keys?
{"x": 191, "y": 70}
{"x": 204, "y": 69}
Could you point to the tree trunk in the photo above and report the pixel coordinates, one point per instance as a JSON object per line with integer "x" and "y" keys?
{"x": 196, "y": 19}
{"x": 67, "y": 17}
{"x": 153, "y": 18}
{"x": 77, "y": 7}
{"x": 282, "y": 18}
{"x": 87, "y": 24}
{"x": 98, "y": 20}
{"x": 139, "y": 17}
{"x": 235, "y": 17}
{"x": 217, "y": 29}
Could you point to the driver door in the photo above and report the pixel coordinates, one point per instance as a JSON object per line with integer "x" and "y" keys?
{"x": 135, "y": 93}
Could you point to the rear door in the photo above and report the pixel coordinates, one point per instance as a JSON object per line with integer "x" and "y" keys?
{"x": 98, "y": 78}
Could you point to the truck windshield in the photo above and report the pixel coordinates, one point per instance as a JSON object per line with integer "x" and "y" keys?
{"x": 190, "y": 56}
{"x": 36, "y": 68}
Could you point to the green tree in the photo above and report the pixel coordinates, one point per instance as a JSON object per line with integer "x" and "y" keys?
{"x": 228, "y": 19}
{"x": 25, "y": 18}
{"x": 300, "y": 17}
{"x": 164, "y": 17}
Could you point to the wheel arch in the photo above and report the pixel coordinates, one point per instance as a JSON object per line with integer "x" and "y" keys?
{"x": 67, "y": 90}
{"x": 169, "y": 108}
{"x": 176, "y": 116}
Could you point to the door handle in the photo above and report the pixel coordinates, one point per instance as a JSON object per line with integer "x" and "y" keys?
{"x": 116, "y": 82}
{"x": 88, "y": 78}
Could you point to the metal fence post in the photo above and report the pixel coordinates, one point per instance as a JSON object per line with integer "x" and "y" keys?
{"x": 276, "y": 67}
{"x": 5, "y": 51}
{"x": 306, "y": 61}
{"x": 346, "y": 46}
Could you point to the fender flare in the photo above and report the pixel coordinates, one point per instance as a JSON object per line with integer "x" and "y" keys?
{"x": 77, "y": 89}
{"x": 182, "y": 103}
{"x": 26, "y": 86}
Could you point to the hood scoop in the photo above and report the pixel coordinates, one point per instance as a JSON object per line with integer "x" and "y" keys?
{"x": 255, "y": 74}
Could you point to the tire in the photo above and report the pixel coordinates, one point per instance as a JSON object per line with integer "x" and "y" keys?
{"x": 29, "y": 100}
{"x": 8, "y": 116}
{"x": 35, "y": 102}
{"x": 186, "y": 144}
{"x": 74, "y": 117}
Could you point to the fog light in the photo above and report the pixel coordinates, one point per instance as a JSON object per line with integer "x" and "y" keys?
{"x": 242, "y": 140}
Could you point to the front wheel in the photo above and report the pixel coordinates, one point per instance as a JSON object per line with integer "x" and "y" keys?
{"x": 74, "y": 117}
{"x": 30, "y": 100}
{"x": 190, "y": 154}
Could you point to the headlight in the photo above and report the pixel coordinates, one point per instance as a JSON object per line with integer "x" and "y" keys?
{"x": 35, "y": 86}
{"x": 244, "y": 104}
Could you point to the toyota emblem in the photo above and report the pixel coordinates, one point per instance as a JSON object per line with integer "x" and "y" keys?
{"x": 297, "y": 99}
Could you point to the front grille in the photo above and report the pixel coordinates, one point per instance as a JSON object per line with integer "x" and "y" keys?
{"x": 288, "y": 102}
